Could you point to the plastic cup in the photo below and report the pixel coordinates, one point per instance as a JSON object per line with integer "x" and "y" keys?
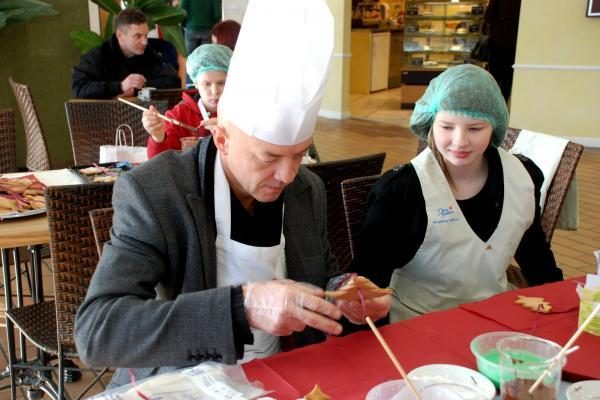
{"x": 188, "y": 142}
{"x": 523, "y": 359}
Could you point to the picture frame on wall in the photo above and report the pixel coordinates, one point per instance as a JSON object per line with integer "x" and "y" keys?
{"x": 593, "y": 9}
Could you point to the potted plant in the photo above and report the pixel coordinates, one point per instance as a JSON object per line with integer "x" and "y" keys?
{"x": 17, "y": 11}
{"x": 159, "y": 12}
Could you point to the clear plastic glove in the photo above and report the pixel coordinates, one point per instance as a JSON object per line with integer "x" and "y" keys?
{"x": 375, "y": 308}
{"x": 281, "y": 307}
{"x": 154, "y": 125}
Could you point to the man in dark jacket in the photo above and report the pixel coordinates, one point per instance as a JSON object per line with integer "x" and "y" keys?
{"x": 124, "y": 63}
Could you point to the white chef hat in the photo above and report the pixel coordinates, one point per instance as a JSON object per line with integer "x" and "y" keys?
{"x": 279, "y": 69}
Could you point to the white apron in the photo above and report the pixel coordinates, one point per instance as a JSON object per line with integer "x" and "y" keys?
{"x": 238, "y": 263}
{"x": 453, "y": 265}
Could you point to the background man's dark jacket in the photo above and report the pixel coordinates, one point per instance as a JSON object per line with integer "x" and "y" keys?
{"x": 101, "y": 70}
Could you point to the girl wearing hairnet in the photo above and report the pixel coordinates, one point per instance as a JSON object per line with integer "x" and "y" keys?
{"x": 443, "y": 229}
{"x": 207, "y": 66}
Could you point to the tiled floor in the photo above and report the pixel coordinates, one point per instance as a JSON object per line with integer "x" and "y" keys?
{"x": 378, "y": 125}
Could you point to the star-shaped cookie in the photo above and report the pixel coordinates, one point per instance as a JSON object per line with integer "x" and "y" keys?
{"x": 537, "y": 304}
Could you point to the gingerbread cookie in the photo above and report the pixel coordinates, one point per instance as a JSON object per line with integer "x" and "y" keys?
{"x": 317, "y": 394}
{"x": 537, "y": 304}
{"x": 350, "y": 291}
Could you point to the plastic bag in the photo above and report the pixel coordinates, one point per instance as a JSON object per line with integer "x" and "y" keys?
{"x": 208, "y": 380}
{"x": 481, "y": 51}
{"x": 121, "y": 151}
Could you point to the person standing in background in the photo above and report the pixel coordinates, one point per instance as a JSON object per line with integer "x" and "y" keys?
{"x": 202, "y": 15}
{"x": 226, "y": 33}
{"x": 501, "y": 22}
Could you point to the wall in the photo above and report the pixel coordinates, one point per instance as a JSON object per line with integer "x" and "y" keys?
{"x": 335, "y": 102}
{"x": 40, "y": 53}
{"x": 556, "y": 86}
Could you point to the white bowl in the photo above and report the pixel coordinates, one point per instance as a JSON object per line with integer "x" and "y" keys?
{"x": 386, "y": 390}
{"x": 453, "y": 375}
{"x": 585, "y": 390}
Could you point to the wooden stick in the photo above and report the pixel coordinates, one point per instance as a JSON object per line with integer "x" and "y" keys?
{"x": 565, "y": 348}
{"x": 159, "y": 115}
{"x": 393, "y": 358}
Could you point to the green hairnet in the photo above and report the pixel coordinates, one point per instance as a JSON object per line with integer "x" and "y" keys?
{"x": 208, "y": 57}
{"x": 465, "y": 90}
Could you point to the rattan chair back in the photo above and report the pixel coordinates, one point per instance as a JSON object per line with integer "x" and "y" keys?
{"x": 8, "y": 142}
{"x": 333, "y": 173}
{"x": 355, "y": 193}
{"x": 171, "y": 96}
{"x": 73, "y": 249}
{"x": 102, "y": 220}
{"x": 37, "y": 150}
{"x": 557, "y": 191}
{"x": 93, "y": 123}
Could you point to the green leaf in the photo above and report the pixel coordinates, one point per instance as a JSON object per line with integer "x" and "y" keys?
{"x": 109, "y": 26}
{"x": 86, "y": 40}
{"x": 145, "y": 5}
{"x": 109, "y": 5}
{"x": 16, "y": 11}
{"x": 166, "y": 15}
{"x": 173, "y": 34}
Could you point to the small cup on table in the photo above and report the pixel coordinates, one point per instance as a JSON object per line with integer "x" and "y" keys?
{"x": 523, "y": 359}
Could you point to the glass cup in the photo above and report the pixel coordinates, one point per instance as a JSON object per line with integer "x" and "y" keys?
{"x": 188, "y": 141}
{"x": 523, "y": 359}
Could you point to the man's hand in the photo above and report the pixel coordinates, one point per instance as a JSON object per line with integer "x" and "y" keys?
{"x": 154, "y": 125}
{"x": 281, "y": 307}
{"x": 132, "y": 82}
{"x": 376, "y": 308}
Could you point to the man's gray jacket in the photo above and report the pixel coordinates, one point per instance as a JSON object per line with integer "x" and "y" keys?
{"x": 153, "y": 300}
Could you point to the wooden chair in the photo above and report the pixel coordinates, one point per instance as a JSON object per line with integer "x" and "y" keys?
{"x": 355, "y": 193}
{"x": 49, "y": 325}
{"x": 37, "y": 150}
{"x": 8, "y": 141}
{"x": 333, "y": 173}
{"x": 93, "y": 123}
{"x": 102, "y": 220}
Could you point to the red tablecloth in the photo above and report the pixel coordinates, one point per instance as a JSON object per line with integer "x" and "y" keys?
{"x": 348, "y": 367}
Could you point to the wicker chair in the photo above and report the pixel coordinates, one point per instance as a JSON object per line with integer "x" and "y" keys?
{"x": 102, "y": 220}
{"x": 93, "y": 123}
{"x": 355, "y": 193}
{"x": 49, "y": 325}
{"x": 37, "y": 150}
{"x": 8, "y": 141}
{"x": 333, "y": 173}
{"x": 171, "y": 96}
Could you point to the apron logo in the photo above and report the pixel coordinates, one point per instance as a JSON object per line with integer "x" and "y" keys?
{"x": 443, "y": 215}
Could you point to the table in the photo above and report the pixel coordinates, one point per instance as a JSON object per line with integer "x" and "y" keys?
{"x": 30, "y": 232}
{"x": 348, "y": 367}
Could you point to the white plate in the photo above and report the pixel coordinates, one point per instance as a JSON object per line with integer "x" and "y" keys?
{"x": 585, "y": 390}
{"x": 16, "y": 214}
{"x": 453, "y": 374}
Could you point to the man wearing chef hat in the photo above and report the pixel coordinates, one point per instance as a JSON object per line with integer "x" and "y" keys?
{"x": 201, "y": 239}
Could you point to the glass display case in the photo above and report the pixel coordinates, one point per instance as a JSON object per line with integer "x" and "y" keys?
{"x": 437, "y": 35}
